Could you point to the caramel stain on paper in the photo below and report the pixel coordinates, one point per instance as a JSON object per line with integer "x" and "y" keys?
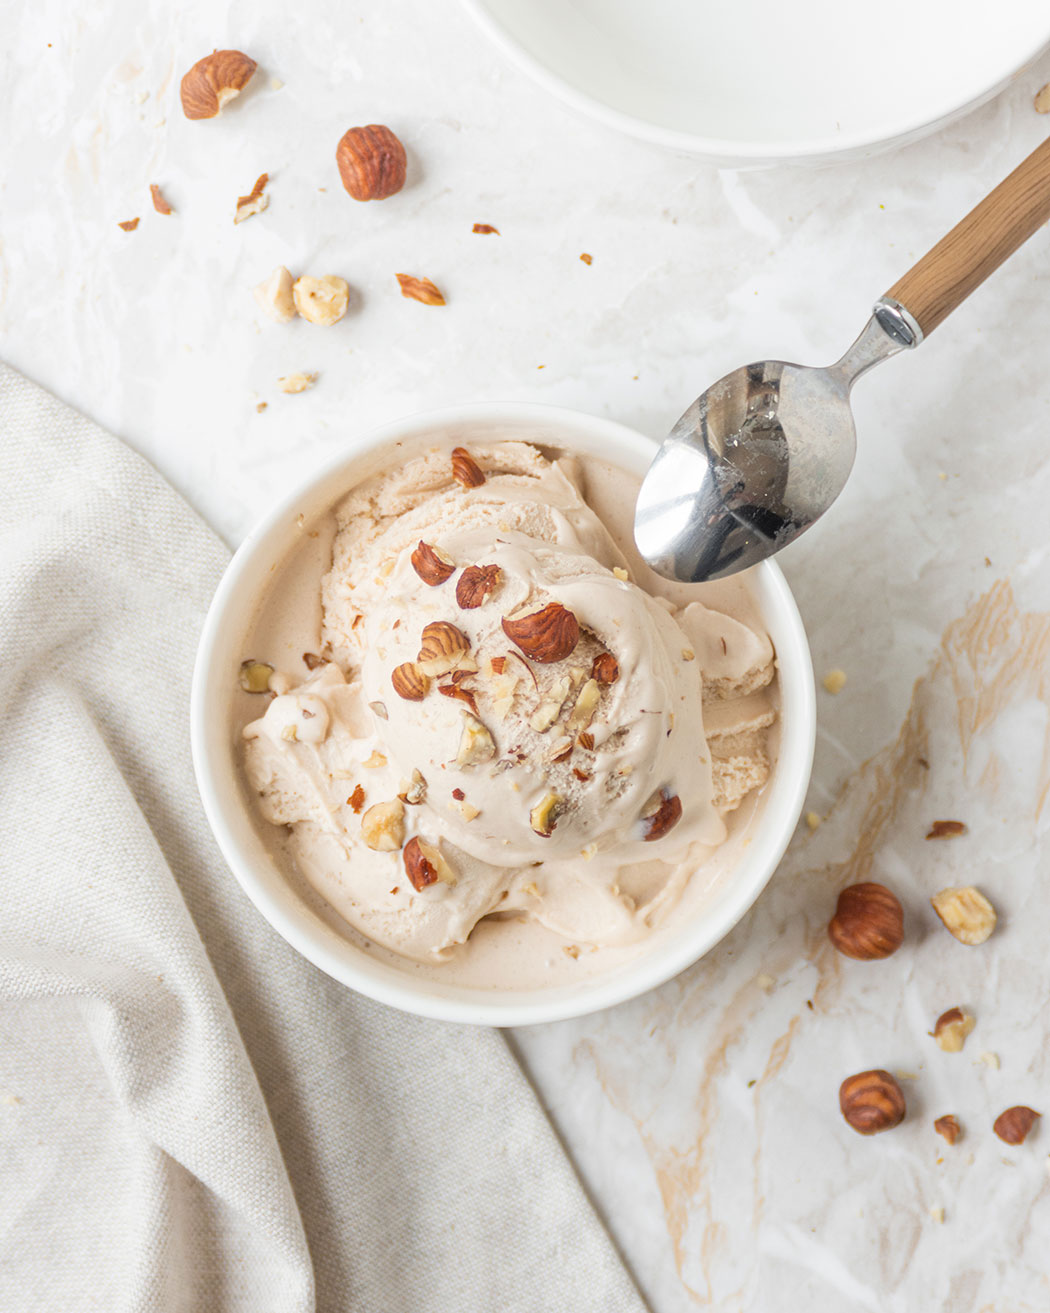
{"x": 989, "y": 659}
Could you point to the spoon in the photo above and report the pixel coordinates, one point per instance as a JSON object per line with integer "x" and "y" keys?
{"x": 763, "y": 453}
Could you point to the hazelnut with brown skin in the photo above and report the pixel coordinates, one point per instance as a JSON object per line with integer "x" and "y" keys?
{"x": 1013, "y": 1125}
{"x": 872, "y": 1101}
{"x": 951, "y": 1029}
{"x": 371, "y": 162}
{"x": 948, "y": 1126}
{"x": 868, "y": 923}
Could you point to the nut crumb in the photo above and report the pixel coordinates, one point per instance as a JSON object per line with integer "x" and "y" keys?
{"x": 129, "y": 225}
{"x": 946, "y": 829}
{"x": 937, "y": 1213}
{"x": 621, "y": 573}
{"x": 297, "y": 382}
{"x": 571, "y": 950}
{"x": 160, "y": 202}
{"x": 587, "y": 259}
{"x": 834, "y": 681}
{"x": 260, "y": 406}
{"x": 688, "y": 654}
{"x": 485, "y": 228}
{"x": 375, "y": 761}
{"x": 813, "y": 820}
{"x": 254, "y": 202}
{"x": 1042, "y": 100}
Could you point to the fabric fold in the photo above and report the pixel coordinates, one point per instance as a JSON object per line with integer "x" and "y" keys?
{"x": 191, "y": 1115}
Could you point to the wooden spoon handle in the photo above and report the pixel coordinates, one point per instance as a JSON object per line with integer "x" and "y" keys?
{"x": 978, "y": 244}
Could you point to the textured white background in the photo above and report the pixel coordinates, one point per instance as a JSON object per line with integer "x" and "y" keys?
{"x": 719, "y": 1194}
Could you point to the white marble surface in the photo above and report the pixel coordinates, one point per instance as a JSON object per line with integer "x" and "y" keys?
{"x": 929, "y": 585}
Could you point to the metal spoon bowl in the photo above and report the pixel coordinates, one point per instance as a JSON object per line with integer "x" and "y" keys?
{"x": 762, "y": 454}
{"x": 758, "y": 458}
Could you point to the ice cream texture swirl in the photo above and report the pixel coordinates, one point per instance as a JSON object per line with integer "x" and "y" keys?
{"x": 500, "y": 721}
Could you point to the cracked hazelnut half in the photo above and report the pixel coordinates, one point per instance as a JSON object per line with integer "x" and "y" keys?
{"x": 371, "y": 162}
{"x": 661, "y": 816}
{"x": 424, "y": 865}
{"x": 951, "y": 1029}
{"x": 966, "y": 913}
{"x": 476, "y": 584}
{"x": 323, "y": 300}
{"x": 383, "y": 826}
{"x": 1013, "y": 1125}
{"x": 432, "y": 565}
{"x": 545, "y": 635}
{"x": 214, "y": 81}
{"x": 868, "y": 923}
{"x": 872, "y": 1101}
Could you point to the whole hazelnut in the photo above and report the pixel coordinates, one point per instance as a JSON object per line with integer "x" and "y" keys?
{"x": 371, "y": 162}
{"x": 868, "y": 922}
{"x": 871, "y": 1101}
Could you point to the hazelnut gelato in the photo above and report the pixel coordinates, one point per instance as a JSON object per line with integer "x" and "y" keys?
{"x": 495, "y": 722}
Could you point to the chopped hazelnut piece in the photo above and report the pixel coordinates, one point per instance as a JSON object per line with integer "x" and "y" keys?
{"x": 255, "y": 676}
{"x": 274, "y": 295}
{"x": 160, "y": 201}
{"x": 255, "y": 202}
{"x": 383, "y": 826}
{"x": 475, "y": 744}
{"x": 952, "y": 1028}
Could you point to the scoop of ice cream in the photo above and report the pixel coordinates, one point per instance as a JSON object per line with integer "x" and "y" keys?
{"x": 536, "y": 733}
{"x": 553, "y": 715}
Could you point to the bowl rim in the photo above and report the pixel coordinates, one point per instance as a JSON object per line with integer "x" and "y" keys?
{"x": 729, "y": 151}
{"x": 290, "y": 916}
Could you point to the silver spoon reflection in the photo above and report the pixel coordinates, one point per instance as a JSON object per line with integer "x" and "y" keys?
{"x": 758, "y": 458}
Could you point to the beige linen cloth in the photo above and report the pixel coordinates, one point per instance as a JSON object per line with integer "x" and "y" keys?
{"x": 191, "y": 1115}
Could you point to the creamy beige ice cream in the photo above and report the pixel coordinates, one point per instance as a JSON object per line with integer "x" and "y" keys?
{"x": 495, "y": 721}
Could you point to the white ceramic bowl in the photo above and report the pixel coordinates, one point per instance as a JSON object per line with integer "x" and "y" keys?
{"x": 228, "y": 806}
{"x": 744, "y": 82}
